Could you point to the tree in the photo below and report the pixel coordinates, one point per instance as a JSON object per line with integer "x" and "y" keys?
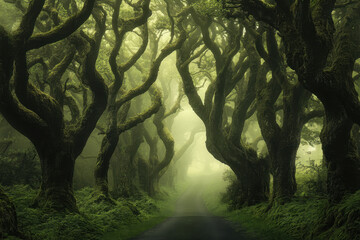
{"x": 124, "y": 163}
{"x": 282, "y": 139}
{"x": 112, "y": 134}
{"x": 39, "y": 116}
{"x": 153, "y": 169}
{"x": 323, "y": 56}
{"x": 224, "y": 136}
{"x": 169, "y": 176}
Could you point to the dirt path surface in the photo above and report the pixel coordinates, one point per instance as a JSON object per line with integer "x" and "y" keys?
{"x": 192, "y": 221}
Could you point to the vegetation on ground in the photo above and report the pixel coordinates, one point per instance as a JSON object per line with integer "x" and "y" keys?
{"x": 301, "y": 218}
{"x": 96, "y": 220}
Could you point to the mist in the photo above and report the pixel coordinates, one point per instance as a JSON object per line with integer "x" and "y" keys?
{"x": 179, "y": 119}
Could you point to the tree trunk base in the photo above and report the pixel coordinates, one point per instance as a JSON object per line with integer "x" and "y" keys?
{"x": 56, "y": 199}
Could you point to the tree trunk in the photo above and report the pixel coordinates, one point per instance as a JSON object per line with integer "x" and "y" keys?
{"x": 252, "y": 174}
{"x": 126, "y": 176}
{"x": 168, "y": 179}
{"x": 283, "y": 171}
{"x": 148, "y": 180}
{"x": 254, "y": 183}
{"x": 108, "y": 146}
{"x": 340, "y": 153}
{"x": 56, "y": 191}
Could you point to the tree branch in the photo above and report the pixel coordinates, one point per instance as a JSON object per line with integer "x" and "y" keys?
{"x": 63, "y": 30}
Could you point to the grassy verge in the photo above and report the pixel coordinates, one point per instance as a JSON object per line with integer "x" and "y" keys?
{"x": 285, "y": 222}
{"x": 165, "y": 204}
{"x": 96, "y": 221}
{"x": 301, "y": 219}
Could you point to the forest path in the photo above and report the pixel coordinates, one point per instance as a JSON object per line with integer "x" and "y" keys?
{"x": 192, "y": 221}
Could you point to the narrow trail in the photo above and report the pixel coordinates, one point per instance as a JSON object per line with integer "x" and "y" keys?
{"x": 192, "y": 221}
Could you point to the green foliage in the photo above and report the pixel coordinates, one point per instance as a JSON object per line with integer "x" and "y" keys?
{"x": 294, "y": 220}
{"x": 18, "y": 167}
{"x": 311, "y": 179}
{"x": 9, "y": 15}
{"x": 95, "y": 219}
{"x": 162, "y": 23}
{"x": 8, "y": 222}
{"x": 153, "y": 212}
{"x": 232, "y": 195}
{"x": 257, "y": 226}
{"x": 298, "y": 217}
{"x": 341, "y": 221}
{"x": 208, "y": 7}
{"x": 310, "y": 134}
{"x": 307, "y": 216}
{"x": 41, "y": 225}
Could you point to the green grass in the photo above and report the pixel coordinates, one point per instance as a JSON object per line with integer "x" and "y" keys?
{"x": 284, "y": 222}
{"x": 257, "y": 227}
{"x": 301, "y": 219}
{"x": 251, "y": 220}
{"x": 126, "y": 219}
{"x": 342, "y": 221}
{"x": 165, "y": 205}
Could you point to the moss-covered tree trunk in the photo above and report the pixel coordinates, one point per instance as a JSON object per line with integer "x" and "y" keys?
{"x": 283, "y": 170}
{"x": 124, "y": 167}
{"x": 57, "y": 167}
{"x": 282, "y": 140}
{"x": 254, "y": 182}
{"x": 154, "y": 167}
{"x": 252, "y": 175}
{"x": 340, "y": 154}
{"x": 108, "y": 146}
{"x": 40, "y": 116}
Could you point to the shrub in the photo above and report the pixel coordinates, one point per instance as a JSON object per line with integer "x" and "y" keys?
{"x": 311, "y": 179}
{"x": 232, "y": 194}
{"x": 94, "y": 220}
{"x": 17, "y": 167}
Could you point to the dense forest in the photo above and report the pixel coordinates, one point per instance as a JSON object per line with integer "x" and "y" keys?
{"x": 117, "y": 114}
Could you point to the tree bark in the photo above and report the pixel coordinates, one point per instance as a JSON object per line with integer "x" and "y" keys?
{"x": 107, "y": 149}
{"x": 56, "y": 190}
{"x": 340, "y": 153}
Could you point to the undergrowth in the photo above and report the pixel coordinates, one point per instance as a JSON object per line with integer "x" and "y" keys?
{"x": 309, "y": 216}
{"x": 95, "y": 218}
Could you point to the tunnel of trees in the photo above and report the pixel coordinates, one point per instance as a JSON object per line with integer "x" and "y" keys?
{"x": 117, "y": 96}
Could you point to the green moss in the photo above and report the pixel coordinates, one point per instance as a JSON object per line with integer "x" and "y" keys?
{"x": 302, "y": 218}
{"x": 293, "y": 220}
{"x": 127, "y": 216}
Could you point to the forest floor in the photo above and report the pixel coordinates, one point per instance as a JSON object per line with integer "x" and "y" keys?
{"x": 195, "y": 211}
{"x": 306, "y": 217}
{"x": 128, "y": 218}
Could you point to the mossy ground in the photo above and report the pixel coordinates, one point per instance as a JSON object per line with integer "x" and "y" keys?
{"x": 303, "y": 218}
{"x": 97, "y": 220}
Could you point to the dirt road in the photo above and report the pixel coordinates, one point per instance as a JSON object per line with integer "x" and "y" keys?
{"x": 192, "y": 221}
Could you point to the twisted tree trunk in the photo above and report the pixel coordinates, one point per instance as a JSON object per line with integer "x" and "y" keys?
{"x": 39, "y": 116}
